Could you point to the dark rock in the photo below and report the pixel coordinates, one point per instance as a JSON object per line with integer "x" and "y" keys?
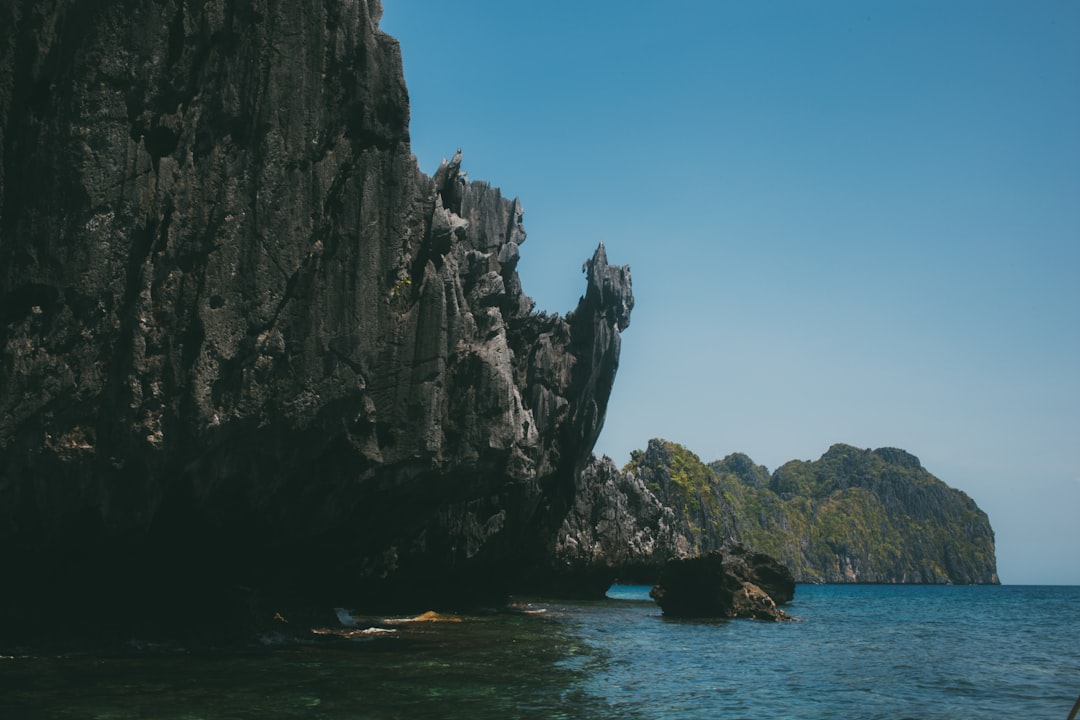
{"x": 618, "y": 529}
{"x": 615, "y": 529}
{"x": 247, "y": 349}
{"x": 722, "y": 585}
{"x": 762, "y": 570}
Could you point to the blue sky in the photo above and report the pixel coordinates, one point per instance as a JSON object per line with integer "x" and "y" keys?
{"x": 849, "y": 222}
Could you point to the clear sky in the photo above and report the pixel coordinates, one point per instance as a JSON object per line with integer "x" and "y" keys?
{"x": 847, "y": 221}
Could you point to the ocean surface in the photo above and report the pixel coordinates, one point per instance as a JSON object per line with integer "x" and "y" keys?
{"x": 857, "y": 652}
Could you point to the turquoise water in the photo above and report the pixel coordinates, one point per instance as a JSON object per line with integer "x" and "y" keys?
{"x": 858, "y": 652}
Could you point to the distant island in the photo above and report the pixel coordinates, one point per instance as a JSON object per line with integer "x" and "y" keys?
{"x": 873, "y": 516}
{"x": 852, "y": 516}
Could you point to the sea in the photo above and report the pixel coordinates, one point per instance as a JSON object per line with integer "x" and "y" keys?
{"x": 856, "y": 651}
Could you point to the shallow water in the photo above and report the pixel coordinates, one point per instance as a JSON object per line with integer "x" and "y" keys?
{"x": 858, "y": 652}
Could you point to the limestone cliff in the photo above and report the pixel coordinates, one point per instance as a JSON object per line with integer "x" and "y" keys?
{"x": 615, "y": 530}
{"x": 246, "y": 346}
{"x": 860, "y": 515}
{"x": 852, "y": 516}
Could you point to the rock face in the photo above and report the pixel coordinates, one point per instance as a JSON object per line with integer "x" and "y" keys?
{"x": 733, "y": 583}
{"x": 246, "y": 346}
{"x": 874, "y": 516}
{"x": 852, "y": 516}
{"x": 618, "y": 529}
{"x": 704, "y": 520}
{"x": 615, "y": 530}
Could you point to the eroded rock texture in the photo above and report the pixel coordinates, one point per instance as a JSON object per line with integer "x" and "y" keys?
{"x": 615, "y": 530}
{"x": 246, "y": 347}
{"x": 732, "y": 583}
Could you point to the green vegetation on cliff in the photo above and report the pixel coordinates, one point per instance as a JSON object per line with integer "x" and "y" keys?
{"x": 851, "y": 516}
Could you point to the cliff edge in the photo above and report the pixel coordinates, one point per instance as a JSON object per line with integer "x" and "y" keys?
{"x": 248, "y": 351}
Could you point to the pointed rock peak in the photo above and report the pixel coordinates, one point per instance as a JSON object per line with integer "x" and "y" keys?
{"x": 453, "y": 167}
{"x": 600, "y": 256}
{"x": 448, "y": 169}
{"x": 609, "y": 286}
{"x": 448, "y": 181}
{"x": 598, "y": 260}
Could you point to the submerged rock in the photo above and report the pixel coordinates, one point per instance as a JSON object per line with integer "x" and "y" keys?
{"x": 736, "y": 584}
{"x": 247, "y": 349}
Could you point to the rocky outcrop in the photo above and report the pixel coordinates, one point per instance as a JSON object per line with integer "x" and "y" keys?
{"x": 247, "y": 349}
{"x": 733, "y": 583}
{"x": 704, "y": 520}
{"x": 615, "y": 530}
{"x": 874, "y": 516}
{"x": 852, "y": 516}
